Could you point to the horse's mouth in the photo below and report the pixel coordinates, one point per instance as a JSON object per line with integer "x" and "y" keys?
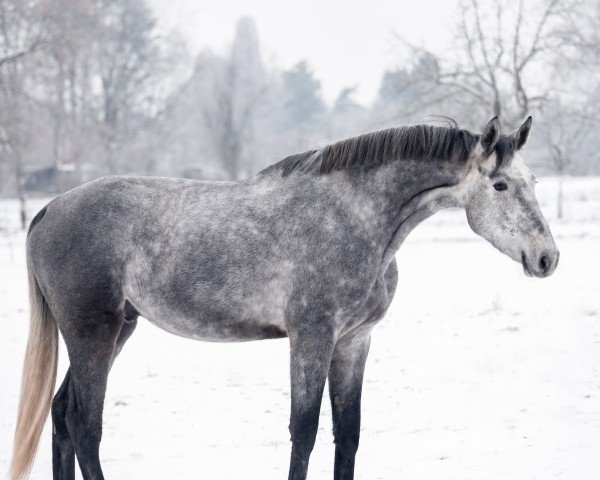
{"x": 526, "y": 268}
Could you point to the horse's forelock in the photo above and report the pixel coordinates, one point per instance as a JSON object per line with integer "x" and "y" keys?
{"x": 505, "y": 150}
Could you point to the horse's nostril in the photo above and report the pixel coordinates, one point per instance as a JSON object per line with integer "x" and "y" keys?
{"x": 544, "y": 263}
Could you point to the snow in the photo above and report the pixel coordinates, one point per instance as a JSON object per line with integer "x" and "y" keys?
{"x": 477, "y": 371}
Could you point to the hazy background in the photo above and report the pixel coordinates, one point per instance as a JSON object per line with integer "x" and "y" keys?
{"x": 476, "y": 372}
{"x": 219, "y": 90}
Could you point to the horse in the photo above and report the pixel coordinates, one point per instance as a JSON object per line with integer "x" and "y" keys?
{"x": 304, "y": 250}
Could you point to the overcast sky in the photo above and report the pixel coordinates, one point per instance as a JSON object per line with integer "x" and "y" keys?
{"x": 346, "y": 43}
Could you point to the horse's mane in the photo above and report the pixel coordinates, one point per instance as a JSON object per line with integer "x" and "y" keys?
{"x": 416, "y": 142}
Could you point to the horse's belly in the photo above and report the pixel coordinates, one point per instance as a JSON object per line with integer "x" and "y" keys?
{"x": 210, "y": 300}
{"x": 213, "y": 324}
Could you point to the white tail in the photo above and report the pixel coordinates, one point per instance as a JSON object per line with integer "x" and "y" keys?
{"x": 37, "y": 387}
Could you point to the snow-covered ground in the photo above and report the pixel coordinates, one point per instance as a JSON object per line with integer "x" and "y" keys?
{"x": 477, "y": 372}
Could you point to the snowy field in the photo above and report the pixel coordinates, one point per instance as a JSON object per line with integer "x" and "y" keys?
{"x": 477, "y": 372}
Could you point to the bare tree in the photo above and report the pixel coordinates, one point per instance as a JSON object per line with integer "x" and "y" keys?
{"x": 498, "y": 51}
{"x": 77, "y": 80}
{"x": 15, "y": 56}
{"x": 21, "y": 35}
{"x": 234, "y": 89}
{"x": 408, "y": 93}
{"x": 570, "y": 118}
{"x": 566, "y": 132}
{"x": 128, "y": 59}
{"x": 496, "y": 64}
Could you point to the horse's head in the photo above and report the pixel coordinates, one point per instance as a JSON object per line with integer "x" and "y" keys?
{"x": 500, "y": 201}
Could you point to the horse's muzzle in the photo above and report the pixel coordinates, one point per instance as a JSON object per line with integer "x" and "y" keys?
{"x": 543, "y": 267}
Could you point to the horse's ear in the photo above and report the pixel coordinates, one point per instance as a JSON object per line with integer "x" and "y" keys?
{"x": 490, "y": 136}
{"x": 521, "y": 134}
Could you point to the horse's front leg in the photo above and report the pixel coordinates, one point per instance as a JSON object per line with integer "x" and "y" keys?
{"x": 311, "y": 349}
{"x": 345, "y": 386}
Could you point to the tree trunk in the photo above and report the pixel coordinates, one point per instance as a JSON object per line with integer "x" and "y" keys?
{"x": 20, "y": 186}
{"x": 22, "y": 209}
{"x": 559, "y": 209}
{"x": 497, "y": 107}
{"x": 59, "y": 117}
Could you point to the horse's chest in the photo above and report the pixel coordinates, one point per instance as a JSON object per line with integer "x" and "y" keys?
{"x": 377, "y": 304}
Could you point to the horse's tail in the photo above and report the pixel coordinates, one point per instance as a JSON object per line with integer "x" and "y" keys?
{"x": 39, "y": 377}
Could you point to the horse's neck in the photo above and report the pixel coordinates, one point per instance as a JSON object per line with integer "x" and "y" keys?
{"x": 387, "y": 201}
{"x": 410, "y": 192}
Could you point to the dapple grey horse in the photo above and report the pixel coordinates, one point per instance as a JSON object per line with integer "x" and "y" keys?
{"x": 304, "y": 250}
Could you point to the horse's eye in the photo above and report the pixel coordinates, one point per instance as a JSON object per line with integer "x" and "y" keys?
{"x": 500, "y": 186}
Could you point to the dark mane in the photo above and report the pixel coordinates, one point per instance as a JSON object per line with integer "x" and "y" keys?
{"x": 417, "y": 142}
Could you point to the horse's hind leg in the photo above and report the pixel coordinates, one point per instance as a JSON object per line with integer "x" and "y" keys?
{"x": 63, "y": 406}
{"x": 345, "y": 385}
{"x": 92, "y": 343}
{"x": 63, "y": 454}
